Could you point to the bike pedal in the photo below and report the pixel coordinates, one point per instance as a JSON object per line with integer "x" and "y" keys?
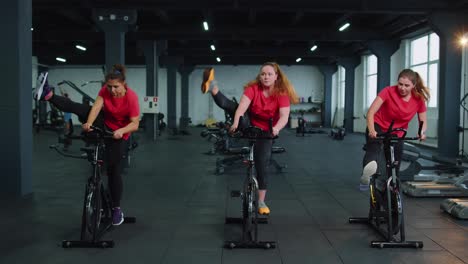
{"x": 235, "y": 193}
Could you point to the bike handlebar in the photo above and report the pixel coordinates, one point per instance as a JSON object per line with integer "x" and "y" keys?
{"x": 253, "y": 132}
{"x": 389, "y": 135}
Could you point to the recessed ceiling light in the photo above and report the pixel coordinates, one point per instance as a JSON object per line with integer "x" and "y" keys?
{"x": 213, "y": 47}
{"x": 80, "y": 47}
{"x": 205, "y": 25}
{"x": 298, "y": 59}
{"x": 343, "y": 27}
{"x": 218, "y": 59}
{"x": 61, "y": 59}
{"x": 313, "y": 48}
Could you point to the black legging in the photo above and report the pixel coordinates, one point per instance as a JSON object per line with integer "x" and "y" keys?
{"x": 374, "y": 149}
{"x": 114, "y": 148}
{"x": 262, "y": 148}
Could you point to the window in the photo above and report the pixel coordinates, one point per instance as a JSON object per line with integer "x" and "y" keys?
{"x": 370, "y": 80}
{"x": 424, "y": 59}
{"x": 341, "y": 87}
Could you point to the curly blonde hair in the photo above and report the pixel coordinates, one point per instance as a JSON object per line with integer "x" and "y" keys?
{"x": 282, "y": 85}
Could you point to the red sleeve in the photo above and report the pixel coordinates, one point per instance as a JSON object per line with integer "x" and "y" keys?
{"x": 422, "y": 106}
{"x": 385, "y": 93}
{"x": 249, "y": 92}
{"x": 134, "y": 107}
{"x": 283, "y": 101}
{"x": 104, "y": 93}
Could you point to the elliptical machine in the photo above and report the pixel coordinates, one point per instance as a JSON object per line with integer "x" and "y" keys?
{"x": 386, "y": 204}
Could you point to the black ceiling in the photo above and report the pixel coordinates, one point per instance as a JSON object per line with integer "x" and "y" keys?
{"x": 243, "y": 31}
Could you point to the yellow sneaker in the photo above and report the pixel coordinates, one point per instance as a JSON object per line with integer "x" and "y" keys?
{"x": 208, "y": 76}
{"x": 263, "y": 208}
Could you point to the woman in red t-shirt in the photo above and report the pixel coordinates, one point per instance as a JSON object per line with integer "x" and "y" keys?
{"x": 267, "y": 97}
{"x": 115, "y": 108}
{"x": 398, "y": 103}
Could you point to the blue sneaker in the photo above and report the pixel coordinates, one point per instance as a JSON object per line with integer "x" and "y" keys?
{"x": 117, "y": 216}
{"x": 43, "y": 90}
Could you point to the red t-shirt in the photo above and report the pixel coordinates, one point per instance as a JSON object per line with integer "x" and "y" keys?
{"x": 118, "y": 111}
{"x": 396, "y": 109}
{"x": 263, "y": 108}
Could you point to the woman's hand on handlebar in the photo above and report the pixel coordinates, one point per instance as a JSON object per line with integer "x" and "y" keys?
{"x": 372, "y": 134}
{"x": 118, "y": 134}
{"x": 275, "y": 131}
{"x": 233, "y": 127}
{"x": 87, "y": 127}
{"x": 422, "y": 137}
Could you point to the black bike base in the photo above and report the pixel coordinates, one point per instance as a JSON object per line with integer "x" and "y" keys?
{"x": 395, "y": 244}
{"x": 385, "y": 244}
{"x": 238, "y": 220}
{"x": 97, "y": 243}
{"x": 88, "y": 244}
{"x": 129, "y": 220}
{"x": 358, "y": 220}
{"x": 250, "y": 244}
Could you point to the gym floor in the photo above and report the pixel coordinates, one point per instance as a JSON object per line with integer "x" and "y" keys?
{"x": 180, "y": 206}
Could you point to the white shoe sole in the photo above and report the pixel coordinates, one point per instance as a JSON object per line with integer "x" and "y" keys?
{"x": 369, "y": 170}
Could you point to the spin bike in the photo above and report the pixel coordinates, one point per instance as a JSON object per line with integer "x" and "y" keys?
{"x": 250, "y": 219}
{"x": 97, "y": 207}
{"x": 386, "y": 205}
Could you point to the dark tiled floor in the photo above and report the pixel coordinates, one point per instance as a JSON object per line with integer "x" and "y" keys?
{"x": 180, "y": 207}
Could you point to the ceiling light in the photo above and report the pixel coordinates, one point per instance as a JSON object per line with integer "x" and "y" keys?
{"x": 343, "y": 27}
{"x": 61, "y": 59}
{"x": 464, "y": 40}
{"x": 313, "y": 48}
{"x": 218, "y": 59}
{"x": 32, "y": 29}
{"x": 101, "y": 18}
{"x": 80, "y": 47}
{"x": 213, "y": 47}
{"x": 112, "y": 16}
{"x": 125, "y": 18}
{"x": 205, "y": 25}
{"x": 298, "y": 59}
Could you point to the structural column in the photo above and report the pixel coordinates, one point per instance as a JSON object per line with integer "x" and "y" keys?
{"x": 152, "y": 50}
{"x": 172, "y": 63}
{"x": 115, "y": 23}
{"x": 383, "y": 50}
{"x": 15, "y": 102}
{"x": 448, "y": 26}
{"x": 327, "y": 71}
{"x": 185, "y": 120}
{"x": 350, "y": 64}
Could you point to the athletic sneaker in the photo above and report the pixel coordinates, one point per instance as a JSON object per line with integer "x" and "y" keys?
{"x": 208, "y": 76}
{"x": 369, "y": 170}
{"x": 263, "y": 208}
{"x": 43, "y": 90}
{"x": 117, "y": 216}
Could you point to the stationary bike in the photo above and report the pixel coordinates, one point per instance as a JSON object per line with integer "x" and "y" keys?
{"x": 97, "y": 207}
{"x": 250, "y": 219}
{"x": 386, "y": 204}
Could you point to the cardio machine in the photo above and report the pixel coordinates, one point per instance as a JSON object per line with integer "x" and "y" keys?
{"x": 250, "y": 219}
{"x": 97, "y": 207}
{"x": 386, "y": 204}
{"x": 446, "y": 180}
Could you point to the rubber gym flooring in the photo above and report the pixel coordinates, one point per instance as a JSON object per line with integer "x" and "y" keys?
{"x": 181, "y": 205}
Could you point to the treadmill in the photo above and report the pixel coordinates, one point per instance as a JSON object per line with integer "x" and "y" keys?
{"x": 447, "y": 181}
